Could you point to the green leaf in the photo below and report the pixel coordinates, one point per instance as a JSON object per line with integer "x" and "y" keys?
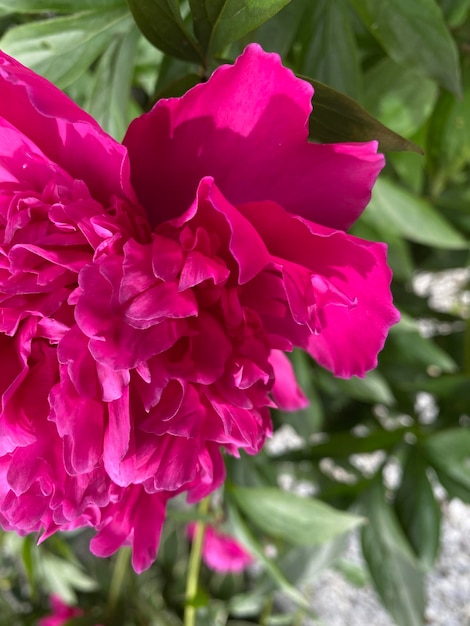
{"x": 279, "y": 33}
{"x": 449, "y": 454}
{"x": 58, "y": 6}
{"x": 355, "y": 574}
{"x": 448, "y": 145}
{"x": 220, "y": 22}
{"x": 28, "y": 562}
{"x": 63, "y": 48}
{"x": 109, "y": 100}
{"x": 401, "y": 212}
{"x": 414, "y": 34}
{"x": 394, "y": 570}
{"x": 309, "y": 420}
{"x": 372, "y": 388}
{"x": 455, "y": 11}
{"x": 161, "y": 23}
{"x": 398, "y": 96}
{"x": 179, "y": 86}
{"x": 237, "y": 622}
{"x": 409, "y": 166}
{"x": 298, "y": 520}
{"x": 302, "y": 564}
{"x": 417, "y": 509}
{"x": 245, "y": 536}
{"x": 341, "y": 445}
{"x": 63, "y": 578}
{"x": 398, "y": 254}
{"x": 417, "y": 349}
{"x": 191, "y": 514}
{"x": 337, "y": 118}
{"x": 331, "y": 54}
{"x": 147, "y": 66}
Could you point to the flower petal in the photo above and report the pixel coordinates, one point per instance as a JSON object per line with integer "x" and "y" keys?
{"x": 247, "y": 128}
{"x": 286, "y": 391}
{"x": 63, "y": 131}
{"x": 337, "y": 285}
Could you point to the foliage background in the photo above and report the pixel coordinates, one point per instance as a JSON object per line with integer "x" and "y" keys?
{"x": 408, "y": 65}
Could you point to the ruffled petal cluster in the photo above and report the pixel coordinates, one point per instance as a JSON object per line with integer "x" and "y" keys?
{"x": 149, "y": 292}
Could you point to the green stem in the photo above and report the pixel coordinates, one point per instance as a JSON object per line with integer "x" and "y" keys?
{"x": 120, "y": 571}
{"x": 194, "y": 566}
{"x": 466, "y": 354}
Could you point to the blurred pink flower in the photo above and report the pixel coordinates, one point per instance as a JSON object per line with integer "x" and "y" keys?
{"x": 61, "y": 613}
{"x": 148, "y": 292}
{"x": 221, "y": 552}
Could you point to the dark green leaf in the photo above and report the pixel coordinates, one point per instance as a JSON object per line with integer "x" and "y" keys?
{"x": 309, "y": 420}
{"x": 417, "y": 509}
{"x": 63, "y": 48}
{"x": 279, "y": 33}
{"x": 336, "y": 118}
{"x": 220, "y": 22}
{"x": 331, "y": 54}
{"x": 179, "y": 86}
{"x": 58, "y": 6}
{"x": 28, "y": 562}
{"x": 454, "y": 387}
{"x": 401, "y": 212}
{"x": 342, "y": 445}
{"x": 449, "y": 453}
{"x": 417, "y": 349}
{"x": 448, "y": 146}
{"x": 161, "y": 22}
{"x": 188, "y": 515}
{"x": 394, "y": 570}
{"x": 171, "y": 72}
{"x": 252, "y": 471}
{"x": 455, "y": 11}
{"x": 298, "y": 520}
{"x": 414, "y": 34}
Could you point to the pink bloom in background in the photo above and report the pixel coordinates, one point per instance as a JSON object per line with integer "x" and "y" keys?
{"x": 61, "y": 613}
{"x": 221, "y": 552}
{"x": 149, "y": 292}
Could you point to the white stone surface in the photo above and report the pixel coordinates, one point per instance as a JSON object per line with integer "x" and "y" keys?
{"x": 339, "y": 603}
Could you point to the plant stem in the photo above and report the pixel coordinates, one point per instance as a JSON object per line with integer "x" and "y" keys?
{"x": 466, "y": 354}
{"x": 194, "y": 566}
{"x": 120, "y": 571}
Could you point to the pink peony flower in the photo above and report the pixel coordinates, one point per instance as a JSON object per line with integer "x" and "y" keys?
{"x": 221, "y": 552}
{"x": 61, "y": 613}
{"x": 149, "y": 292}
